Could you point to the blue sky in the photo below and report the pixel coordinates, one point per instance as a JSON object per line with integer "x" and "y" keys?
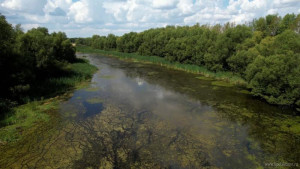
{"x": 83, "y": 18}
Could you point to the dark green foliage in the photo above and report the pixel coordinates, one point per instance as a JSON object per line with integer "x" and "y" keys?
{"x": 245, "y": 54}
{"x": 275, "y": 73}
{"x": 264, "y": 52}
{"x": 276, "y": 78}
{"x": 272, "y": 22}
{"x": 62, "y": 47}
{"x": 7, "y": 55}
{"x": 27, "y": 58}
{"x": 288, "y": 22}
{"x": 111, "y": 42}
{"x": 128, "y": 43}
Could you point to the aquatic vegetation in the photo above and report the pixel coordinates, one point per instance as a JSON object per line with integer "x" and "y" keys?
{"x": 284, "y": 133}
{"x": 106, "y": 76}
{"x": 222, "y": 84}
{"x": 24, "y": 117}
{"x": 92, "y": 89}
{"x": 215, "y": 88}
{"x": 72, "y": 110}
{"x": 139, "y": 150}
{"x": 204, "y": 78}
{"x": 244, "y": 91}
{"x": 152, "y": 73}
{"x": 32, "y": 113}
{"x": 94, "y": 100}
{"x": 188, "y": 89}
{"x": 190, "y": 127}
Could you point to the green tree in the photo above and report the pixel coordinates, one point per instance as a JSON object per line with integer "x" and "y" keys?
{"x": 7, "y": 55}
{"x": 276, "y": 78}
{"x": 62, "y": 48}
{"x": 246, "y": 53}
{"x": 288, "y": 22}
{"x": 127, "y": 44}
{"x": 272, "y": 22}
{"x": 111, "y": 42}
{"x": 225, "y": 46}
{"x": 260, "y": 25}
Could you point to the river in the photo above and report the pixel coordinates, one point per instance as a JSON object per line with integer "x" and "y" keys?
{"x": 138, "y": 115}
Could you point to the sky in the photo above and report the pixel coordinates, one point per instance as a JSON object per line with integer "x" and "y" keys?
{"x": 84, "y": 18}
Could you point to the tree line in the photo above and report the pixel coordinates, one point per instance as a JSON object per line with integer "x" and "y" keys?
{"x": 265, "y": 52}
{"x": 27, "y": 58}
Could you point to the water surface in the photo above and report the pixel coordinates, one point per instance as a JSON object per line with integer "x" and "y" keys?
{"x": 136, "y": 115}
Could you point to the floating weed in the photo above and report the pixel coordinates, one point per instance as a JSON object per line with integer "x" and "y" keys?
{"x": 24, "y": 117}
{"x": 244, "y": 91}
{"x": 215, "y": 88}
{"x": 106, "y": 77}
{"x": 212, "y": 103}
{"x": 221, "y": 83}
{"x": 70, "y": 114}
{"x": 227, "y": 153}
{"x": 152, "y": 73}
{"x": 94, "y": 100}
{"x": 92, "y": 89}
{"x": 78, "y": 97}
{"x": 68, "y": 110}
{"x": 139, "y": 65}
{"x": 204, "y": 78}
{"x": 73, "y": 115}
{"x": 202, "y": 86}
{"x": 290, "y": 125}
{"x": 188, "y": 89}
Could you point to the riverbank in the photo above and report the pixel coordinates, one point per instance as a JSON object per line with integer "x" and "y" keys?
{"x": 223, "y": 76}
{"x": 52, "y": 92}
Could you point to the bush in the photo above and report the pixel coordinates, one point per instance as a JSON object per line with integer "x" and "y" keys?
{"x": 276, "y": 78}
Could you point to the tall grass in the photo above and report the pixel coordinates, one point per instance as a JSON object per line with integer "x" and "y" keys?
{"x": 43, "y": 100}
{"x": 72, "y": 77}
{"x": 224, "y": 76}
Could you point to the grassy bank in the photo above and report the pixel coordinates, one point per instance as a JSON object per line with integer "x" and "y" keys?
{"x": 44, "y": 100}
{"x": 224, "y": 76}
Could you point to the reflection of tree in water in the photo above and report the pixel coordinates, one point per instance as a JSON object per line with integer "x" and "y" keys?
{"x": 115, "y": 139}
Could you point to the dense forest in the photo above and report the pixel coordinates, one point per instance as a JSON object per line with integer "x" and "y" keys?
{"x": 28, "y": 59}
{"x": 265, "y": 52}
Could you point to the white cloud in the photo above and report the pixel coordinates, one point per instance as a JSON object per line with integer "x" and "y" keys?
{"x": 80, "y": 12}
{"x": 53, "y": 5}
{"x": 30, "y": 6}
{"x": 12, "y": 4}
{"x": 29, "y": 26}
{"x": 86, "y": 17}
{"x": 164, "y": 4}
{"x": 286, "y": 3}
{"x": 186, "y": 6}
{"x": 272, "y": 11}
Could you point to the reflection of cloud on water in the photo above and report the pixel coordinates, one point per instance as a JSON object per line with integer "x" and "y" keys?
{"x": 139, "y": 81}
{"x": 138, "y": 94}
{"x": 160, "y": 95}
